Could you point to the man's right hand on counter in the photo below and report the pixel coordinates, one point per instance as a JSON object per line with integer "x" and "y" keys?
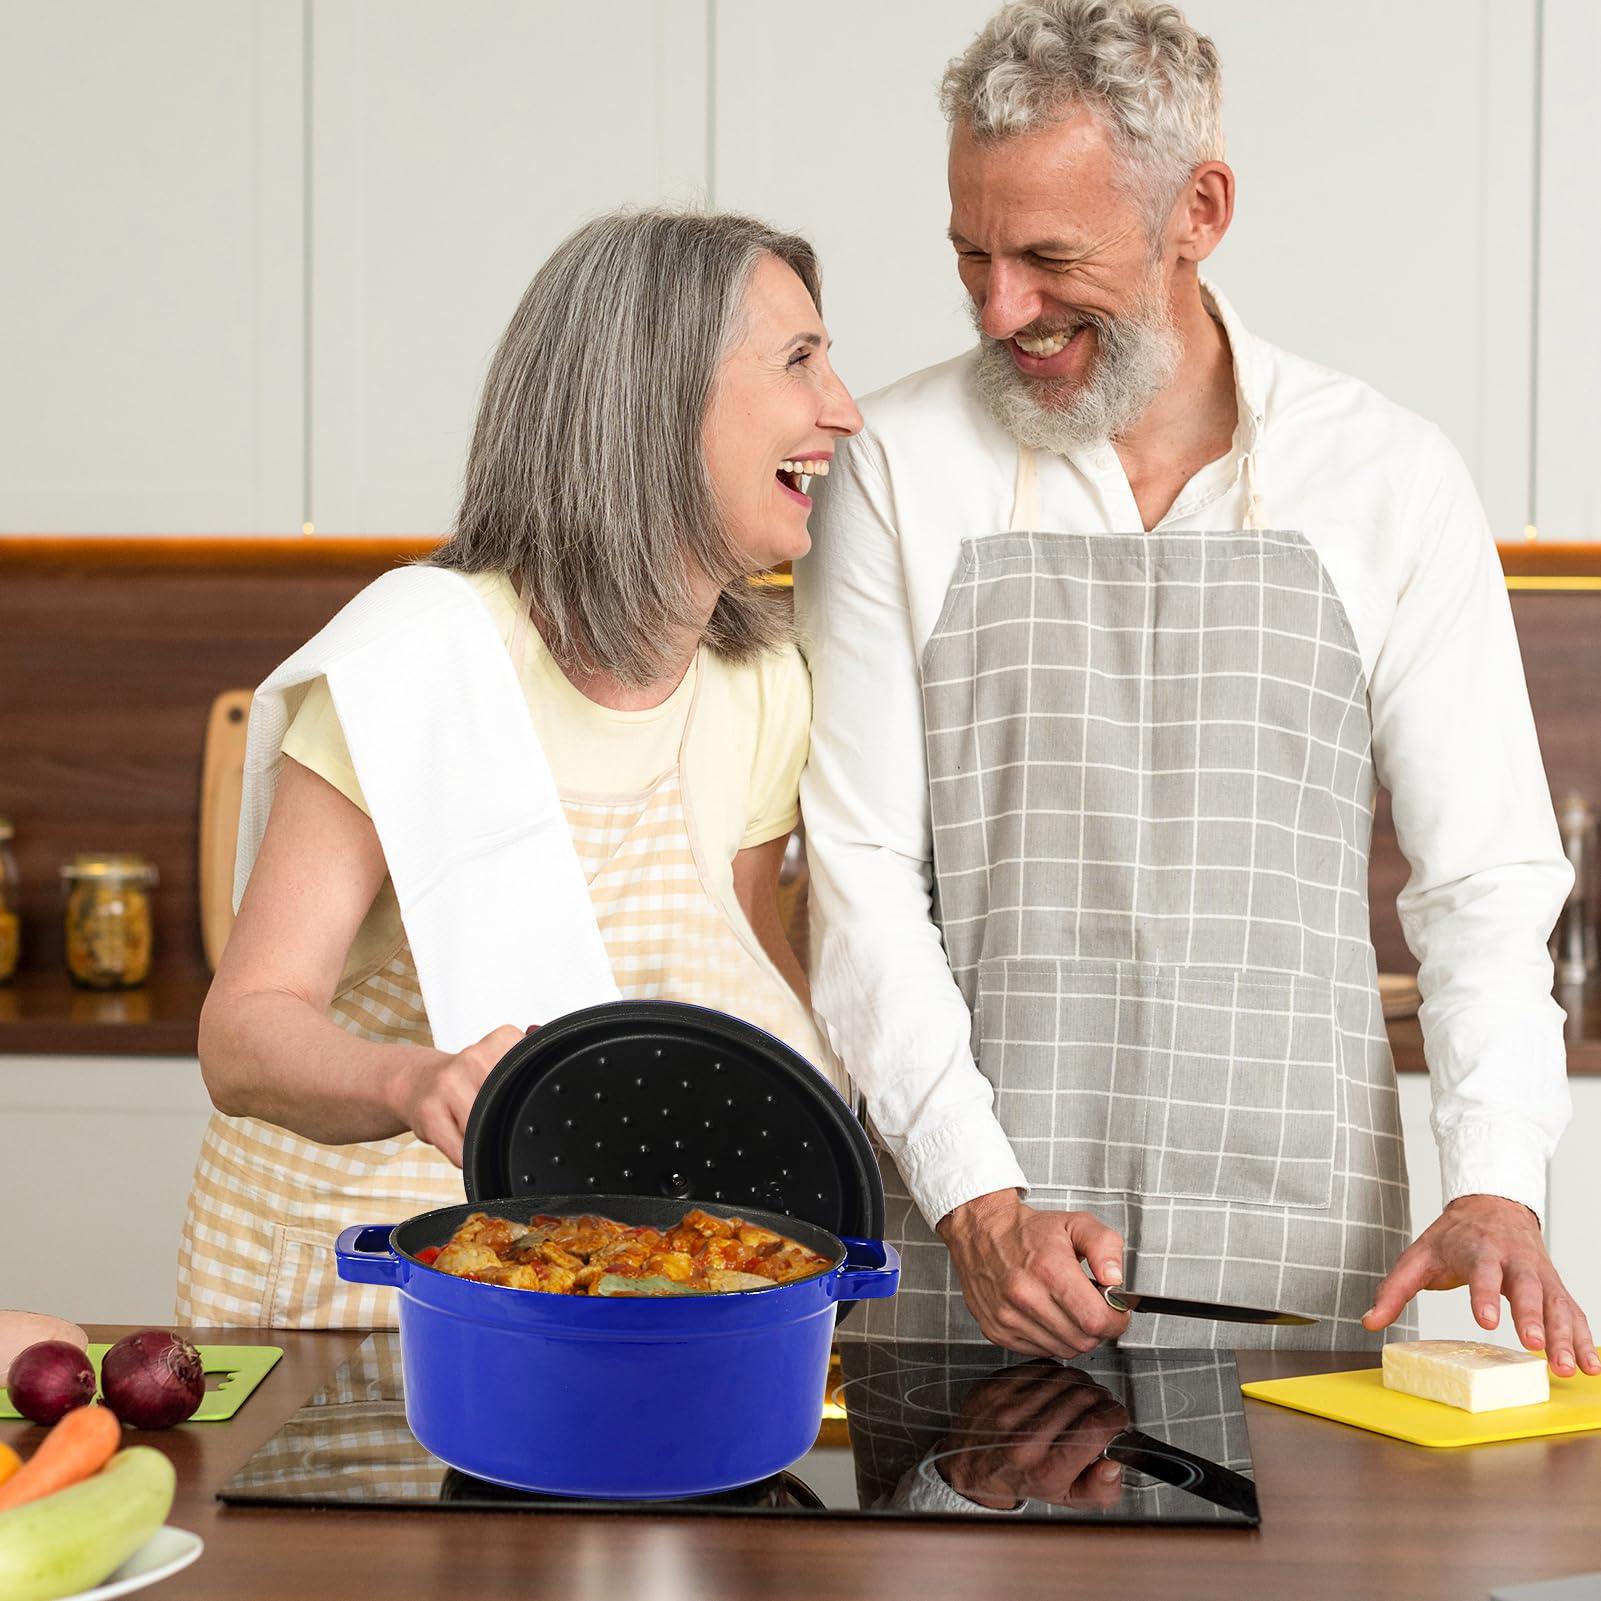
{"x": 1021, "y": 1274}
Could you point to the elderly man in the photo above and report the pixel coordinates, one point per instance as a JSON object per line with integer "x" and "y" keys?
{"x": 1116, "y": 622}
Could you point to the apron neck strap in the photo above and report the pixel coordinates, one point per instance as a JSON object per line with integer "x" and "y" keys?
{"x": 1253, "y": 497}
{"x": 1025, "y": 493}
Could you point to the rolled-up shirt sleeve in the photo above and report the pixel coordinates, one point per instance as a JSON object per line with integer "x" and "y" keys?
{"x": 1455, "y": 744}
{"x": 881, "y": 984}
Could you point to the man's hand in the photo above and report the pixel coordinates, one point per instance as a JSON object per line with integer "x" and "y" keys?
{"x": 1493, "y": 1246}
{"x": 1035, "y": 1432}
{"x": 1020, "y": 1274}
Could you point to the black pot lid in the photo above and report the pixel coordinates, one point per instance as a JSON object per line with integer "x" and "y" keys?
{"x": 657, "y": 1098}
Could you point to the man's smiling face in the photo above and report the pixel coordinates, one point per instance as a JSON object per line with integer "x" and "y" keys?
{"x": 1069, "y": 291}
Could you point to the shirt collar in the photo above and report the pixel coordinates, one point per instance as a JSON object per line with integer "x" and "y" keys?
{"x": 1246, "y": 352}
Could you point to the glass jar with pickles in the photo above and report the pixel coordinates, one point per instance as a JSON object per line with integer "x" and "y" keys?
{"x": 10, "y": 906}
{"x": 109, "y": 929}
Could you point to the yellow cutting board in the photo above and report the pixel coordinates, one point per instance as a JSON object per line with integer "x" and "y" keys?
{"x": 1359, "y": 1398}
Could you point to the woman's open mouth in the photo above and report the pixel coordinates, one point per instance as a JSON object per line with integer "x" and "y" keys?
{"x": 793, "y": 476}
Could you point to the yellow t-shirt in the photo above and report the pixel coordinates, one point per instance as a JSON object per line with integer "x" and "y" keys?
{"x": 742, "y": 764}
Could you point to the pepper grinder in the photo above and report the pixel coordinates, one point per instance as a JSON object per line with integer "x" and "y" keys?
{"x": 1575, "y": 939}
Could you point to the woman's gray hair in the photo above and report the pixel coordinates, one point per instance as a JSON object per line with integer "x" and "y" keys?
{"x": 586, "y": 479}
{"x": 1152, "y": 80}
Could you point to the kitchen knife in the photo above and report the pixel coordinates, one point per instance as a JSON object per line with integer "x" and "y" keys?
{"x": 1121, "y": 1300}
{"x": 1184, "y": 1470}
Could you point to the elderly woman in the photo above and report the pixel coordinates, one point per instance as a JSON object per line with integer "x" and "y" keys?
{"x": 556, "y": 765}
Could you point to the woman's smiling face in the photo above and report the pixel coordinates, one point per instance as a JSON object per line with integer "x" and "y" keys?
{"x": 777, "y": 411}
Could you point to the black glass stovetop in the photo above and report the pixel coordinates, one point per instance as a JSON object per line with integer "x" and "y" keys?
{"x": 911, "y": 1430}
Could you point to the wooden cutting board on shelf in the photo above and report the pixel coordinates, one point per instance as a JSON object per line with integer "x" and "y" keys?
{"x": 222, "y": 774}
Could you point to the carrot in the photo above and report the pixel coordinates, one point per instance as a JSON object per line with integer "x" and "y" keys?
{"x": 75, "y": 1448}
{"x": 9, "y": 1462}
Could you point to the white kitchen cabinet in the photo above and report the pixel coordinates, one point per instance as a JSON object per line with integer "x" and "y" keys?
{"x": 1567, "y": 491}
{"x": 847, "y": 145}
{"x": 98, "y": 1157}
{"x": 1574, "y": 1203}
{"x": 1576, "y": 1200}
{"x": 453, "y": 148}
{"x": 151, "y": 305}
{"x": 1384, "y": 221}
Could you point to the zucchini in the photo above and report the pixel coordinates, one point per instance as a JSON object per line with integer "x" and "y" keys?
{"x": 71, "y": 1540}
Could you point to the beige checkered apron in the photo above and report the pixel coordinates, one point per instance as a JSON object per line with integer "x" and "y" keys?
{"x": 1152, "y": 788}
{"x": 266, "y": 1205}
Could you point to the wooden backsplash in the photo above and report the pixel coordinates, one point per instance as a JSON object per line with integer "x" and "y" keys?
{"x": 1560, "y": 635}
{"x": 112, "y": 649}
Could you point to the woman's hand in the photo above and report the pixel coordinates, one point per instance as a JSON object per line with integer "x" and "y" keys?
{"x": 434, "y": 1093}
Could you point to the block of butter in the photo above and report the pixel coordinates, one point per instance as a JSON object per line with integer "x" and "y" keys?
{"x": 1471, "y": 1374}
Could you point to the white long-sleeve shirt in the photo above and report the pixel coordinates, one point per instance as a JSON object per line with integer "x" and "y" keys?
{"x": 1388, "y": 505}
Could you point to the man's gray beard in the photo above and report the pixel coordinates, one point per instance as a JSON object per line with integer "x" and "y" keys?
{"x": 1135, "y": 360}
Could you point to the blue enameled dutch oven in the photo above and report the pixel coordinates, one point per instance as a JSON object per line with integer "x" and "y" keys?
{"x": 638, "y": 1111}
{"x": 590, "y": 1396}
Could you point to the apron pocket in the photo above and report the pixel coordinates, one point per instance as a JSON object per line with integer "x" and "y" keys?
{"x": 1191, "y": 1083}
{"x": 304, "y": 1290}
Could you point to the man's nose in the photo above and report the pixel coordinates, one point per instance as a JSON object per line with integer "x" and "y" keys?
{"x": 1008, "y": 304}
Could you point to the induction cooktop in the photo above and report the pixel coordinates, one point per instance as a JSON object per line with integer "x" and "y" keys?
{"x": 911, "y": 1430}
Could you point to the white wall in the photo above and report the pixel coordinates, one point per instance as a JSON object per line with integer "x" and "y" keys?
{"x": 258, "y": 253}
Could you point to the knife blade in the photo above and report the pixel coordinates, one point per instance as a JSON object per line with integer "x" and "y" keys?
{"x": 1121, "y": 1300}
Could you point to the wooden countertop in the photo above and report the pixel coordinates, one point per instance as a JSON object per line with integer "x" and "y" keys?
{"x": 1344, "y": 1513}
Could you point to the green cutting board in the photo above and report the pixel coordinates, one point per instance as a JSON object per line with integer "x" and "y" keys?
{"x": 242, "y": 1367}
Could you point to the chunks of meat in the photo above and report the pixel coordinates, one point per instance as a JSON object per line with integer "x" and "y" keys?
{"x": 570, "y": 1255}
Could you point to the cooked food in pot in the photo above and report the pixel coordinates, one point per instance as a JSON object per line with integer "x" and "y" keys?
{"x": 700, "y": 1255}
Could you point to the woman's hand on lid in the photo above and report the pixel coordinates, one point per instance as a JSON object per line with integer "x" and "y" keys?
{"x": 1022, "y": 1276}
{"x": 434, "y": 1092}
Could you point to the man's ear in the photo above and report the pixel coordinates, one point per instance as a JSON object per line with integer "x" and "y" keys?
{"x": 1203, "y": 211}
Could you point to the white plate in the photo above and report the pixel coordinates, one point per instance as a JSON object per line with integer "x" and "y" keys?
{"x": 162, "y": 1555}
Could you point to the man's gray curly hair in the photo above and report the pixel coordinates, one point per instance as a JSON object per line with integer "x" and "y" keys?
{"x": 1152, "y": 80}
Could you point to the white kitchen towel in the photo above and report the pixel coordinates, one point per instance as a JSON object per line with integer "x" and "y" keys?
{"x": 489, "y": 887}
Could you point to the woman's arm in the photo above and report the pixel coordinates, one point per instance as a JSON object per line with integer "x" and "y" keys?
{"x": 756, "y": 870}
{"x": 267, "y": 1048}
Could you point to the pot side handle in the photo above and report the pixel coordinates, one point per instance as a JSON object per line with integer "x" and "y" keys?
{"x": 364, "y": 1255}
{"x": 872, "y": 1271}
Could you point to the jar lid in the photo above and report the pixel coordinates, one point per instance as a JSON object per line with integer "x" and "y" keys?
{"x": 124, "y": 866}
{"x": 657, "y": 1098}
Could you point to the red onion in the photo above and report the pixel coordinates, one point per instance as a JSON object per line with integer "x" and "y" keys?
{"x": 49, "y": 1379}
{"x": 152, "y": 1379}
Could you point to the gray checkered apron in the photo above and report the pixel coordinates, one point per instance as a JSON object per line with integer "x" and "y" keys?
{"x": 1152, "y": 787}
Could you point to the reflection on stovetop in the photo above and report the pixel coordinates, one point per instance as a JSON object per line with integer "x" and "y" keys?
{"x": 779, "y": 1492}
{"x": 1119, "y": 1436}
